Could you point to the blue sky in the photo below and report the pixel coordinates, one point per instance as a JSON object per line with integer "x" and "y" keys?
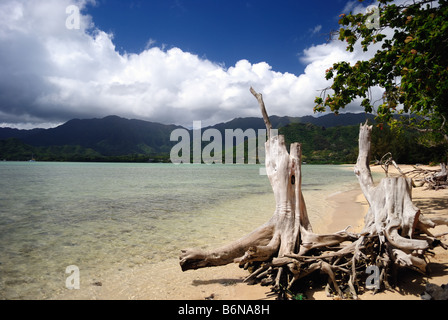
{"x": 223, "y": 31}
{"x": 168, "y": 61}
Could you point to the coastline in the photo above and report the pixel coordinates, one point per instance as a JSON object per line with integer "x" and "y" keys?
{"x": 166, "y": 281}
{"x": 349, "y": 208}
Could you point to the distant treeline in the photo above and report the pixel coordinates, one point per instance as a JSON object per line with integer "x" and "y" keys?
{"x": 13, "y": 149}
{"x": 320, "y": 145}
{"x": 340, "y": 144}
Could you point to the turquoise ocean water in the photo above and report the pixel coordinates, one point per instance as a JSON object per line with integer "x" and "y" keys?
{"x": 100, "y": 216}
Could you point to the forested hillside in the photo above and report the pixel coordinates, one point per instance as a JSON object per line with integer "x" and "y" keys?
{"x": 340, "y": 144}
{"x": 326, "y": 139}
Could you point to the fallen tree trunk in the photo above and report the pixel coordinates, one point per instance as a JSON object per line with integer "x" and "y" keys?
{"x": 285, "y": 249}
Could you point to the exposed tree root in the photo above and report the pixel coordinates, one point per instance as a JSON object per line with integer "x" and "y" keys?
{"x": 433, "y": 179}
{"x": 285, "y": 250}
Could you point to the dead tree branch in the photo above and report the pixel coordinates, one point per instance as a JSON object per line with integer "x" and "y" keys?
{"x": 285, "y": 250}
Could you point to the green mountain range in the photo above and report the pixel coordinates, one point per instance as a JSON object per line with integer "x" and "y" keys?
{"x": 326, "y": 139}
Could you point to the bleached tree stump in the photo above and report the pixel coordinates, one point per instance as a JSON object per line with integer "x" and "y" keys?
{"x": 393, "y": 219}
{"x": 285, "y": 249}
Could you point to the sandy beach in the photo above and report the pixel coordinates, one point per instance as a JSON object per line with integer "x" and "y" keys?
{"x": 166, "y": 281}
{"x": 430, "y": 202}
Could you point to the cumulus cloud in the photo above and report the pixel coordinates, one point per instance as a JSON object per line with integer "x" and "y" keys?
{"x": 318, "y": 58}
{"x": 51, "y": 73}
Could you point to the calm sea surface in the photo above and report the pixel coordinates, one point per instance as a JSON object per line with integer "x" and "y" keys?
{"x": 101, "y": 216}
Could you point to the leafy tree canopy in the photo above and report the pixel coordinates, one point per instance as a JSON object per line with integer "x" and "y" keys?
{"x": 411, "y": 65}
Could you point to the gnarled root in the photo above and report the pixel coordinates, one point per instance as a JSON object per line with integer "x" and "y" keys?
{"x": 285, "y": 250}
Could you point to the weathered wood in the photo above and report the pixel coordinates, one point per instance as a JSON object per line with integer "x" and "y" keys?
{"x": 392, "y": 216}
{"x": 280, "y": 234}
{"x": 197, "y": 258}
{"x": 434, "y": 179}
{"x": 285, "y": 249}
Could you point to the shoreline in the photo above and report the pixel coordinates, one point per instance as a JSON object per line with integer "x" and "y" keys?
{"x": 411, "y": 283}
{"x": 348, "y": 209}
{"x": 166, "y": 281}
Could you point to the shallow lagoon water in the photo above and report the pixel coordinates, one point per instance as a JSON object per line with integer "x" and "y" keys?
{"x": 105, "y": 216}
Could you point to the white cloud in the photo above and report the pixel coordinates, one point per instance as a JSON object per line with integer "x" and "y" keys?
{"x": 52, "y": 74}
{"x": 354, "y": 7}
{"x": 316, "y": 29}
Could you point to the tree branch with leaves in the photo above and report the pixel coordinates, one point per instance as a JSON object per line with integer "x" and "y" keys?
{"x": 411, "y": 67}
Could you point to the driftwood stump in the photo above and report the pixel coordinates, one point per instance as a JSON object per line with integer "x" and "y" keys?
{"x": 285, "y": 249}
